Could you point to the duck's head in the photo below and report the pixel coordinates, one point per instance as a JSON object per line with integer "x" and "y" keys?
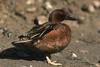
{"x": 58, "y": 15}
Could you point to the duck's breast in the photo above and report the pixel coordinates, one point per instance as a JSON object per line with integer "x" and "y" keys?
{"x": 55, "y": 40}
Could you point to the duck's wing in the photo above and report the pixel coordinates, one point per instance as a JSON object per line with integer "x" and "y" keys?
{"x": 42, "y": 30}
{"x": 37, "y": 33}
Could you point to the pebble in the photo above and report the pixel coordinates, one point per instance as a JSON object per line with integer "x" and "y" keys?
{"x": 9, "y": 34}
{"x": 81, "y": 19}
{"x": 30, "y": 6}
{"x": 88, "y": 8}
{"x": 31, "y": 9}
{"x": 29, "y": 2}
{"x": 48, "y": 5}
{"x": 30, "y": 66}
{"x": 1, "y": 30}
{"x": 97, "y": 65}
{"x": 42, "y": 19}
{"x": 3, "y": 18}
{"x": 96, "y": 4}
{"x": 77, "y": 41}
{"x": 82, "y": 34}
{"x": 91, "y": 8}
{"x": 23, "y": 66}
{"x": 5, "y": 32}
{"x": 17, "y": 13}
{"x": 27, "y": 66}
{"x": 74, "y": 55}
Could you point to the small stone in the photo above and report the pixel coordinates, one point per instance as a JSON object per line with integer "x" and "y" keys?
{"x": 29, "y": 2}
{"x": 31, "y": 9}
{"x": 6, "y": 32}
{"x": 96, "y": 4}
{"x": 20, "y": 14}
{"x": 82, "y": 34}
{"x": 91, "y": 8}
{"x": 81, "y": 19}
{"x": 74, "y": 55}
{"x": 9, "y": 34}
{"x": 88, "y": 8}
{"x": 97, "y": 65}
{"x": 42, "y": 19}
{"x": 77, "y": 41}
{"x": 1, "y": 30}
{"x": 30, "y": 66}
{"x": 48, "y": 5}
{"x": 23, "y": 66}
{"x": 5, "y": 29}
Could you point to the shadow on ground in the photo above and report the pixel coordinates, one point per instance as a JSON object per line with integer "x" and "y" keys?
{"x": 21, "y": 52}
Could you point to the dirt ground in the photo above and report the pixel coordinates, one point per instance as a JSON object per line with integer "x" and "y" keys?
{"x": 16, "y": 18}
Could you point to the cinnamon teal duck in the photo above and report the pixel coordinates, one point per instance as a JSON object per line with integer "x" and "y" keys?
{"x": 50, "y": 37}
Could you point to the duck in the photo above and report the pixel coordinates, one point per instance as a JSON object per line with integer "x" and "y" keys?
{"x": 52, "y": 36}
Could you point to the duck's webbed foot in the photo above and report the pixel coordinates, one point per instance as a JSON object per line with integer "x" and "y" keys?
{"x": 52, "y": 62}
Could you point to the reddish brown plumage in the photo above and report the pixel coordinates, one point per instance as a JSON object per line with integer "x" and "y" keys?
{"x": 55, "y": 40}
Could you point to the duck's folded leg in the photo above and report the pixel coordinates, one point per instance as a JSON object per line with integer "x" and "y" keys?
{"x": 52, "y": 62}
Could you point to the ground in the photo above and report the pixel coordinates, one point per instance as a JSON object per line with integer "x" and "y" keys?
{"x": 83, "y": 50}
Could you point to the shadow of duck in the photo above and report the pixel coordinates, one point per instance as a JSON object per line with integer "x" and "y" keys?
{"x": 20, "y": 51}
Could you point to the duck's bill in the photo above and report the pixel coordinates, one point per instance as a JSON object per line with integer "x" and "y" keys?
{"x": 71, "y": 17}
